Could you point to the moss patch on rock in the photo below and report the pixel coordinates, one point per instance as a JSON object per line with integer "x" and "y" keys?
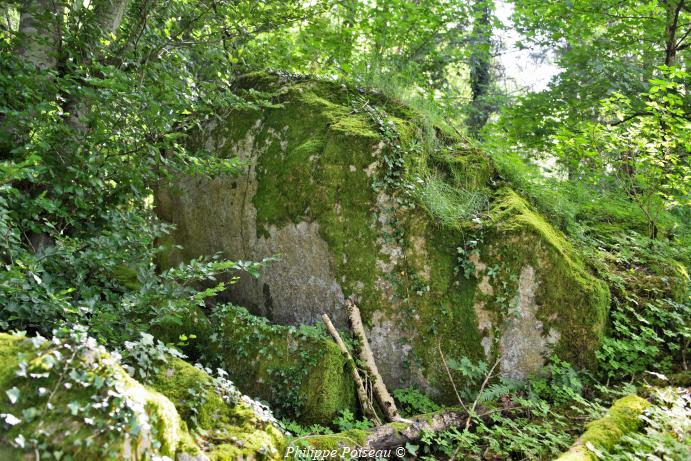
{"x": 298, "y": 370}
{"x": 336, "y": 168}
{"x": 67, "y": 398}
{"x": 603, "y": 434}
{"x": 72, "y": 399}
{"x": 229, "y": 429}
{"x": 570, "y": 304}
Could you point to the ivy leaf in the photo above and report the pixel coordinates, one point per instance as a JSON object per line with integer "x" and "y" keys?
{"x": 13, "y": 394}
{"x": 412, "y": 449}
{"x": 10, "y": 419}
{"x": 74, "y": 407}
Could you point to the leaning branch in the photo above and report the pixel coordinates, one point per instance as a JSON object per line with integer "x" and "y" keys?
{"x": 381, "y": 393}
{"x": 365, "y": 402}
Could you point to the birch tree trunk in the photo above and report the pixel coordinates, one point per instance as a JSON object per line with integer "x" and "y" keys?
{"x": 39, "y": 30}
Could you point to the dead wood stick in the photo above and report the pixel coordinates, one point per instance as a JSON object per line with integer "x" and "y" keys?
{"x": 381, "y": 393}
{"x": 393, "y": 435}
{"x": 365, "y": 402}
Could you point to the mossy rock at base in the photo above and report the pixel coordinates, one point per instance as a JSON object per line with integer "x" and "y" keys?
{"x": 67, "y": 398}
{"x": 299, "y": 371}
{"x": 622, "y": 418}
{"x": 230, "y": 430}
{"x": 363, "y": 199}
{"x": 80, "y": 404}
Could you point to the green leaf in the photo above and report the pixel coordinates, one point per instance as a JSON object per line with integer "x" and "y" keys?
{"x": 13, "y": 394}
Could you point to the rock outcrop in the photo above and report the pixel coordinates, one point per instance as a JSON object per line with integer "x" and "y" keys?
{"x": 362, "y": 198}
{"x": 67, "y": 398}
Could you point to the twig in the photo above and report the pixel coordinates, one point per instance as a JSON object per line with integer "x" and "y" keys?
{"x": 482, "y": 388}
{"x": 448, "y": 372}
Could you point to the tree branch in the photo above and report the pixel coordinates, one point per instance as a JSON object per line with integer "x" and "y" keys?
{"x": 628, "y": 118}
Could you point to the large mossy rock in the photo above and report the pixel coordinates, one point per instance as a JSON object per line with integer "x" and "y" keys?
{"x": 299, "y": 370}
{"x": 339, "y": 182}
{"x": 68, "y": 399}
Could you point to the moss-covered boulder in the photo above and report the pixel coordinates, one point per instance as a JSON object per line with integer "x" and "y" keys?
{"x": 363, "y": 198}
{"x": 229, "y": 425}
{"x": 299, "y": 370}
{"x": 67, "y": 398}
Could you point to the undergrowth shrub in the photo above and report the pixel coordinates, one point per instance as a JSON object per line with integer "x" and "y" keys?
{"x": 347, "y": 420}
{"x": 410, "y": 401}
{"x": 646, "y": 337}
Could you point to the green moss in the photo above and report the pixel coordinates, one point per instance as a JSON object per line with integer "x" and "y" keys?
{"x": 299, "y": 371}
{"x": 180, "y": 391}
{"x": 352, "y": 439}
{"x": 399, "y": 427}
{"x": 571, "y": 300}
{"x": 63, "y": 427}
{"x": 319, "y": 173}
{"x": 321, "y": 155}
{"x": 622, "y": 418}
{"x": 232, "y": 427}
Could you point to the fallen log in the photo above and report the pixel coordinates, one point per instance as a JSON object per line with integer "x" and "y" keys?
{"x": 395, "y": 434}
{"x": 602, "y": 434}
{"x": 381, "y": 393}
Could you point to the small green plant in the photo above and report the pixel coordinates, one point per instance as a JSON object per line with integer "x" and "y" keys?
{"x": 646, "y": 337}
{"x": 144, "y": 357}
{"x": 296, "y": 429}
{"x": 557, "y": 382}
{"x": 347, "y": 421}
{"x": 411, "y": 401}
{"x": 464, "y": 265}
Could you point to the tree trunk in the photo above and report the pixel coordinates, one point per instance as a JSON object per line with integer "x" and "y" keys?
{"x": 109, "y": 14}
{"x": 365, "y": 402}
{"x": 671, "y": 26}
{"x": 480, "y": 64}
{"x": 39, "y": 32}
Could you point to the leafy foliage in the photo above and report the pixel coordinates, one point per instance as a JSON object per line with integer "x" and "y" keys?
{"x": 410, "y": 401}
{"x": 347, "y": 421}
{"x": 646, "y": 337}
{"x": 146, "y": 355}
{"x": 64, "y": 367}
